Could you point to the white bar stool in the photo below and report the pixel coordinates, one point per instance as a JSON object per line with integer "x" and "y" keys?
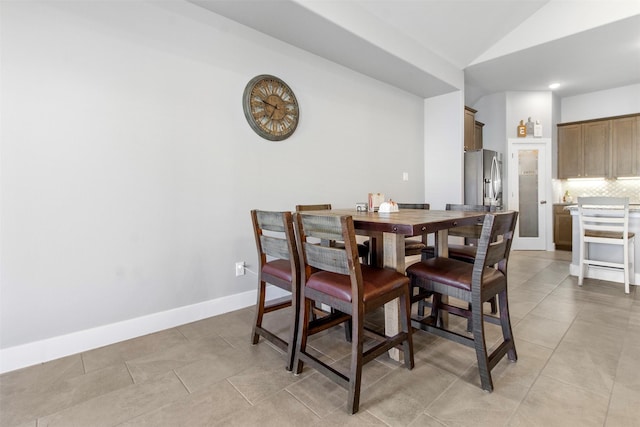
{"x": 605, "y": 220}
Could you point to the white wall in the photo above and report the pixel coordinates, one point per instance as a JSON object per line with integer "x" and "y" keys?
{"x": 443, "y": 155}
{"x": 605, "y": 103}
{"x": 128, "y": 169}
{"x": 492, "y": 112}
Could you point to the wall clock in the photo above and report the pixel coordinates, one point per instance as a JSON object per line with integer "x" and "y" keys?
{"x": 270, "y": 107}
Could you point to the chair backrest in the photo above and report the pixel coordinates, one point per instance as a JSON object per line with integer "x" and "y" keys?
{"x": 275, "y": 237}
{"x": 324, "y": 207}
{"x": 494, "y": 245}
{"x": 604, "y": 218}
{"x": 329, "y": 258}
{"x": 425, "y": 206}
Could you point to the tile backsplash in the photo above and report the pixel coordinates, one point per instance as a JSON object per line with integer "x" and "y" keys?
{"x": 602, "y": 188}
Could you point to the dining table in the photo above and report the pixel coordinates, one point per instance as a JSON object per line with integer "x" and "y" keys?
{"x": 387, "y": 232}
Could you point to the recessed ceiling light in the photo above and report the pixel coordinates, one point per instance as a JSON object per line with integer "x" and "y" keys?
{"x": 554, "y": 85}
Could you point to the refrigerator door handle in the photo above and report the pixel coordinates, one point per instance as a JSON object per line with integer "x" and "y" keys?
{"x": 494, "y": 178}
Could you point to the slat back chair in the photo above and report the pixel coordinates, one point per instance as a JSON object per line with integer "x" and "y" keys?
{"x": 363, "y": 248}
{"x": 474, "y": 283}
{"x": 465, "y": 252}
{"x": 279, "y": 265}
{"x": 605, "y": 220}
{"x": 334, "y": 276}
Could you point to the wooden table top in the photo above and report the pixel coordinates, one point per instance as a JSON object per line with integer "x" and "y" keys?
{"x": 410, "y": 222}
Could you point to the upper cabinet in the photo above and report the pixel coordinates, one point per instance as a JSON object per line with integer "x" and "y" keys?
{"x": 472, "y": 130}
{"x": 625, "y": 146}
{"x": 605, "y": 148}
{"x": 570, "y": 164}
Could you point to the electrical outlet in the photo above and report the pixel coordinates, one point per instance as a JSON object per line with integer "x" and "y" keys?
{"x": 240, "y": 271}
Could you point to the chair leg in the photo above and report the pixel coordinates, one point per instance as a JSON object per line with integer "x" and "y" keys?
{"x": 293, "y": 334}
{"x": 303, "y": 331}
{"x": 583, "y": 255}
{"x": 481, "y": 347}
{"x": 259, "y": 312}
{"x": 421, "y": 305}
{"x": 505, "y": 323}
{"x": 436, "y": 300}
{"x": 355, "y": 372}
{"x": 405, "y": 324}
{"x": 494, "y": 305}
{"x": 625, "y": 260}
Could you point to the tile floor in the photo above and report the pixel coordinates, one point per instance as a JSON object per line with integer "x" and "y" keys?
{"x": 578, "y": 350}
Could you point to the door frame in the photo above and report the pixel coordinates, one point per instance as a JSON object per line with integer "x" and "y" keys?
{"x": 545, "y": 190}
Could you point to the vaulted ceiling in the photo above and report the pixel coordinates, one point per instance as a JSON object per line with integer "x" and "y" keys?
{"x": 432, "y": 47}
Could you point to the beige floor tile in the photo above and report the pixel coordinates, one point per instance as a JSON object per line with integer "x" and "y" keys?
{"x": 319, "y": 394}
{"x": 553, "y": 403}
{"x": 447, "y": 355}
{"x": 624, "y": 409}
{"x": 63, "y": 394}
{"x": 425, "y": 420}
{"x": 562, "y": 311}
{"x": 39, "y": 377}
{"x": 119, "y": 406}
{"x": 223, "y": 363}
{"x": 464, "y": 404}
{"x": 282, "y": 409}
{"x": 586, "y": 333}
{"x": 513, "y": 380}
{"x": 341, "y": 418}
{"x": 175, "y": 357}
{"x": 203, "y": 408}
{"x": 131, "y": 349}
{"x": 403, "y": 395}
{"x": 257, "y": 383}
{"x": 540, "y": 330}
{"x": 590, "y": 367}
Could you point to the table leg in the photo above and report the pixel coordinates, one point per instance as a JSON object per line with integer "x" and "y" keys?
{"x": 393, "y": 250}
{"x": 442, "y": 249}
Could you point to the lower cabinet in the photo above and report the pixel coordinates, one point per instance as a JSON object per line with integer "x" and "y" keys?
{"x": 562, "y": 228}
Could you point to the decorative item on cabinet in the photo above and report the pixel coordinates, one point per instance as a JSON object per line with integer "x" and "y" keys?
{"x": 529, "y": 126}
{"x": 522, "y": 129}
{"x": 537, "y": 130}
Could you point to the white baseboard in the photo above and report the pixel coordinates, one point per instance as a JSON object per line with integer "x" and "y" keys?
{"x": 37, "y": 352}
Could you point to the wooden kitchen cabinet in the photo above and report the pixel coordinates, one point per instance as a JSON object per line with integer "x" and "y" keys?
{"x": 570, "y": 151}
{"x": 625, "y": 146}
{"x": 562, "y": 228}
{"x": 478, "y": 135}
{"x": 602, "y": 148}
{"x": 595, "y": 149}
{"x": 472, "y": 130}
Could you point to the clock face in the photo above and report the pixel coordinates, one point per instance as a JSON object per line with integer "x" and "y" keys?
{"x": 270, "y": 107}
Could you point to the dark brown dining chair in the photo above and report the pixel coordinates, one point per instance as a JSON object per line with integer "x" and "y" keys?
{"x": 279, "y": 265}
{"x": 464, "y": 252}
{"x": 335, "y": 277}
{"x": 363, "y": 248}
{"x": 474, "y": 283}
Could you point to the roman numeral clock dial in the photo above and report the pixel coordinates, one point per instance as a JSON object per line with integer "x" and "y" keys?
{"x": 270, "y": 107}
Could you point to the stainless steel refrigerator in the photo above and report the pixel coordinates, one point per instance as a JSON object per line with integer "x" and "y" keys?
{"x": 483, "y": 178}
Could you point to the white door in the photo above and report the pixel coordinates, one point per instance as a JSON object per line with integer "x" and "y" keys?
{"x": 527, "y": 194}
